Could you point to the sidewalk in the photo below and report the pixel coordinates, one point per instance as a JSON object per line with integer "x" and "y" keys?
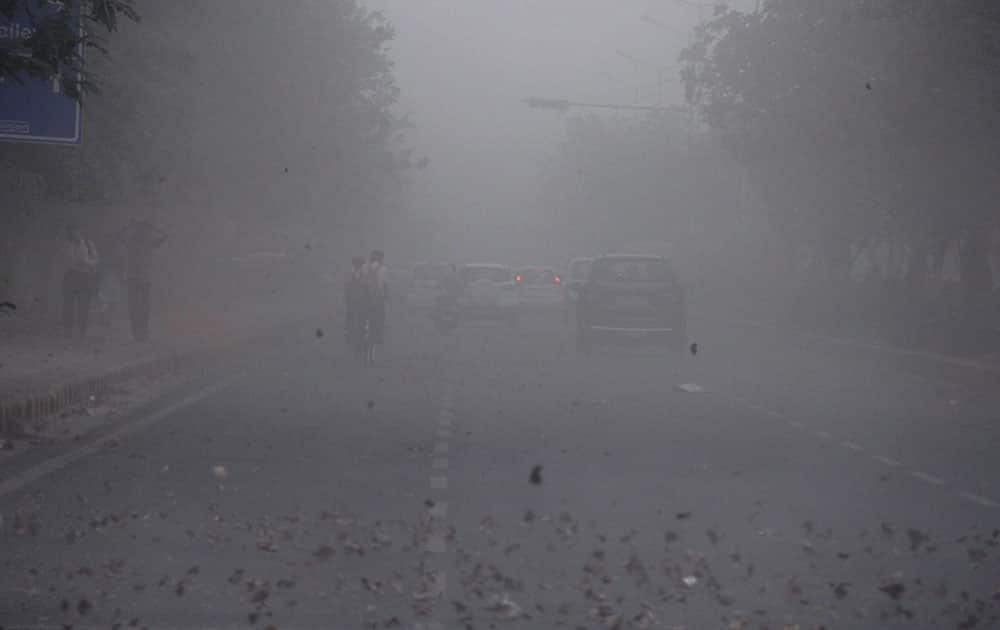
{"x": 42, "y": 372}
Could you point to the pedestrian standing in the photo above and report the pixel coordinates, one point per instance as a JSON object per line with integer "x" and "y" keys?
{"x": 110, "y": 280}
{"x": 356, "y": 305}
{"x": 140, "y": 239}
{"x": 78, "y": 282}
{"x": 376, "y": 275}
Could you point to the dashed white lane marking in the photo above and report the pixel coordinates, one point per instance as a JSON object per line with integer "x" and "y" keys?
{"x": 50, "y": 466}
{"x": 931, "y": 479}
{"x": 436, "y": 544}
{"x": 439, "y": 483}
{"x": 882, "y": 459}
{"x": 888, "y": 461}
{"x": 981, "y": 500}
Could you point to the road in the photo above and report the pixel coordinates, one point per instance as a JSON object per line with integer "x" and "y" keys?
{"x": 495, "y": 479}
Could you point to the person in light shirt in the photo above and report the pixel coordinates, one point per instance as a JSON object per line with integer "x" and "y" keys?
{"x": 78, "y": 281}
{"x": 375, "y": 272}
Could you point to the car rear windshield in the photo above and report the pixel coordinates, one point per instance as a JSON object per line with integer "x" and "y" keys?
{"x": 579, "y": 269}
{"x": 429, "y": 273}
{"x": 493, "y": 274}
{"x": 538, "y": 276}
{"x": 632, "y": 270}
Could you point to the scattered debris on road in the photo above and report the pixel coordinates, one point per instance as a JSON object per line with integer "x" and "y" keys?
{"x": 536, "y": 475}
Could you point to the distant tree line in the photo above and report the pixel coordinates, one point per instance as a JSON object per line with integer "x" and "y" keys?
{"x": 230, "y": 122}
{"x": 863, "y": 124}
{"x": 852, "y": 146}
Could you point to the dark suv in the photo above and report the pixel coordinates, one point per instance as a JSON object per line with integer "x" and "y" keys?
{"x": 631, "y": 299}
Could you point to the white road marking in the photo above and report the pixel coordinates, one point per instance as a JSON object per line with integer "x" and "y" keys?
{"x": 60, "y": 462}
{"x": 888, "y": 461}
{"x": 690, "y": 388}
{"x": 439, "y": 483}
{"x": 882, "y": 459}
{"x": 981, "y": 500}
{"x": 946, "y": 359}
{"x": 931, "y": 479}
{"x": 436, "y": 544}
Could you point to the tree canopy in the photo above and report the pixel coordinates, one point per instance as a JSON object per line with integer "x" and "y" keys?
{"x": 858, "y": 119}
{"x": 231, "y": 122}
{"x": 52, "y": 42}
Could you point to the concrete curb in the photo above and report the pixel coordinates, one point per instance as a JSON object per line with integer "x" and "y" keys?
{"x": 15, "y": 414}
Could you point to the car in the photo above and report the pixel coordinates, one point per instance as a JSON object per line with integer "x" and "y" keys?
{"x": 400, "y": 281}
{"x": 426, "y": 284}
{"x": 489, "y": 291}
{"x": 539, "y": 286}
{"x": 632, "y": 299}
{"x": 576, "y": 277}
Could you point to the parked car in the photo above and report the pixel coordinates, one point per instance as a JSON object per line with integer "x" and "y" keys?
{"x": 539, "y": 286}
{"x": 426, "y": 284}
{"x": 631, "y": 299}
{"x": 489, "y": 291}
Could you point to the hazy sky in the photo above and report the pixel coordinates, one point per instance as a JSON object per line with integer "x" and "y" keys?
{"x": 465, "y": 65}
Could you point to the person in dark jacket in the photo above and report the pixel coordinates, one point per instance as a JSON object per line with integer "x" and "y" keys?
{"x": 140, "y": 239}
{"x": 356, "y": 302}
{"x": 78, "y": 280}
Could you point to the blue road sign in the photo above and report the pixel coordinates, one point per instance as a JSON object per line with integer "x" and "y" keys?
{"x": 34, "y": 110}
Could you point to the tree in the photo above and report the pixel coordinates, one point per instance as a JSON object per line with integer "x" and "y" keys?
{"x": 53, "y": 46}
{"x": 223, "y": 138}
{"x": 862, "y": 121}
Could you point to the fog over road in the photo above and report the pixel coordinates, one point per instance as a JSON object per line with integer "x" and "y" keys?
{"x": 494, "y": 478}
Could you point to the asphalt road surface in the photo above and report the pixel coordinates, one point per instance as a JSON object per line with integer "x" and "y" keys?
{"x": 493, "y": 478}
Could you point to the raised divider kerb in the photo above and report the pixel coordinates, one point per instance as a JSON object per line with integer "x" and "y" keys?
{"x": 14, "y": 414}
